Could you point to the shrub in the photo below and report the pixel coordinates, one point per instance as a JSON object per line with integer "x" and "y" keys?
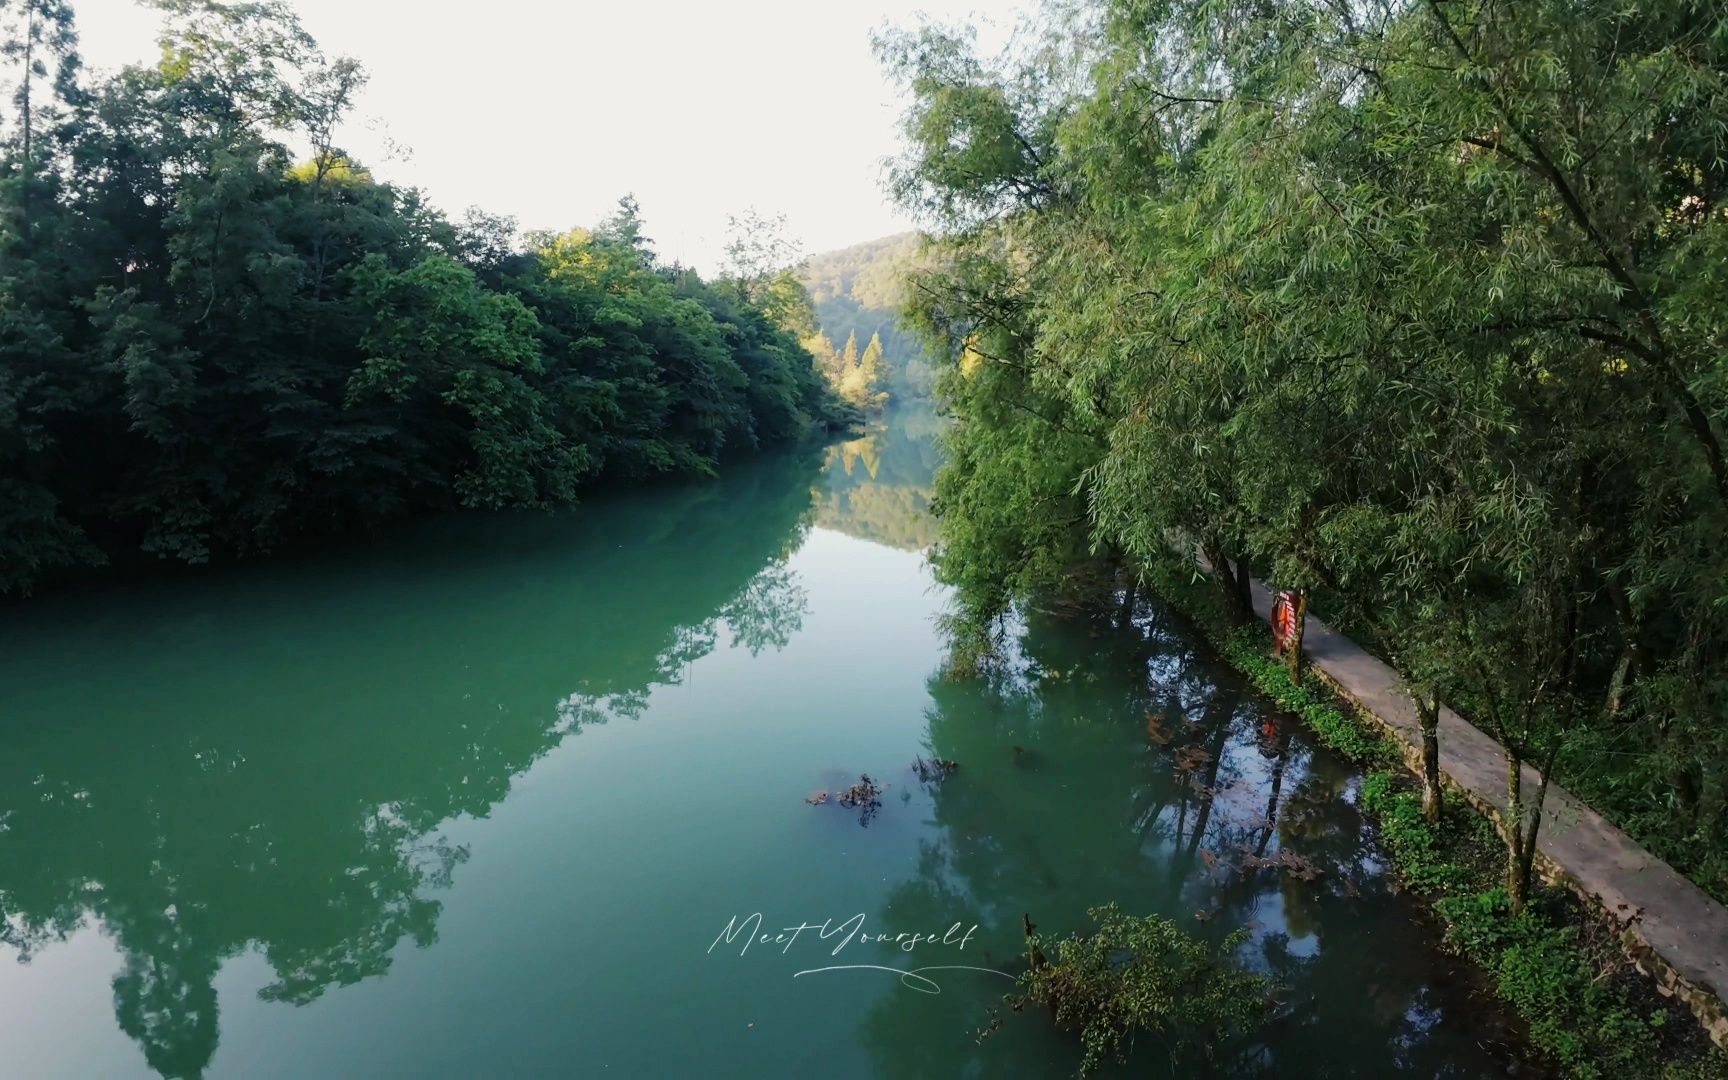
{"x": 1142, "y": 975}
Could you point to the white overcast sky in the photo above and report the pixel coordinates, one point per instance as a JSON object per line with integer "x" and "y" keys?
{"x": 549, "y": 110}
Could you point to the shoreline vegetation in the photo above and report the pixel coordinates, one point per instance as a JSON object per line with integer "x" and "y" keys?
{"x": 1558, "y": 964}
{"x": 214, "y": 345}
{"x": 1412, "y": 311}
{"x": 1294, "y": 328}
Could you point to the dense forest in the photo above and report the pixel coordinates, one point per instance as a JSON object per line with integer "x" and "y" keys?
{"x": 1416, "y": 308}
{"x": 211, "y": 342}
{"x": 859, "y": 293}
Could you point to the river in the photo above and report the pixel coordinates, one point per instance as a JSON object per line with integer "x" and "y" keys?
{"x": 483, "y": 795}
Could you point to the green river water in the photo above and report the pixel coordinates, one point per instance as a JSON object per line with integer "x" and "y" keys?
{"x": 479, "y": 798}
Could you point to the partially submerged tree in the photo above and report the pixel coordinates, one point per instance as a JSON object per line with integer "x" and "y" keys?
{"x": 1141, "y": 977}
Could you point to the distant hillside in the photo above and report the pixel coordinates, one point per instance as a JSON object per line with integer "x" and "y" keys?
{"x": 858, "y": 291}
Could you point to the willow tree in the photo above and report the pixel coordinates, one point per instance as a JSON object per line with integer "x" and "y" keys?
{"x": 1011, "y": 495}
{"x": 1418, "y": 305}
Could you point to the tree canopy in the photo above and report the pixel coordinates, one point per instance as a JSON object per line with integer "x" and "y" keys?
{"x": 211, "y": 343}
{"x": 1412, "y": 306}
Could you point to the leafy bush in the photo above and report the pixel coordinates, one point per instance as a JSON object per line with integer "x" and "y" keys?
{"x": 1142, "y": 975}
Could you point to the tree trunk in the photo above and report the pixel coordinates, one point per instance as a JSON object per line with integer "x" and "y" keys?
{"x": 1428, "y": 712}
{"x": 1617, "y": 684}
{"x": 24, "y": 107}
{"x": 1034, "y": 955}
{"x": 1526, "y": 868}
{"x": 1230, "y": 591}
{"x": 1517, "y": 881}
{"x": 1245, "y": 590}
{"x": 1637, "y": 656}
{"x": 1521, "y": 836}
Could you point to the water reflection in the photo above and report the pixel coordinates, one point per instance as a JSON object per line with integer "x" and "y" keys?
{"x": 277, "y": 779}
{"x": 1111, "y": 761}
{"x": 877, "y": 486}
{"x": 286, "y": 761}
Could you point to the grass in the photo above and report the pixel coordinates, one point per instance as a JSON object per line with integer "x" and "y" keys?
{"x": 1584, "y": 1021}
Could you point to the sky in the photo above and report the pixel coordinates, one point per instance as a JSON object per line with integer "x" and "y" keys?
{"x": 550, "y": 110}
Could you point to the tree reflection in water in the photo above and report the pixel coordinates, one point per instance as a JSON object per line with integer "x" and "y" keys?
{"x": 306, "y": 825}
{"x": 1059, "y": 806}
{"x": 877, "y": 487}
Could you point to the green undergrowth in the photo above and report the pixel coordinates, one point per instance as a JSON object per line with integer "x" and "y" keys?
{"x": 1581, "y": 1018}
{"x": 1539, "y": 962}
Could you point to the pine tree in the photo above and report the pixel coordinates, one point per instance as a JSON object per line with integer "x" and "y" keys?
{"x": 41, "y": 34}
{"x": 864, "y": 384}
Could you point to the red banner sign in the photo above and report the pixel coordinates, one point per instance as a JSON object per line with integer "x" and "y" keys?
{"x": 1284, "y": 609}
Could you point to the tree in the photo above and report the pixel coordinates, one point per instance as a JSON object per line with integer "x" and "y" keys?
{"x": 849, "y": 355}
{"x": 41, "y": 34}
{"x": 862, "y": 289}
{"x": 863, "y": 385}
{"x": 210, "y": 348}
{"x": 1410, "y": 308}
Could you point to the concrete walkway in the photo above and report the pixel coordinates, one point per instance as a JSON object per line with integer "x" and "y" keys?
{"x": 1671, "y": 928}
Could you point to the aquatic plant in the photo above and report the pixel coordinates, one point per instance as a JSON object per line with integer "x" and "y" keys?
{"x": 865, "y": 797}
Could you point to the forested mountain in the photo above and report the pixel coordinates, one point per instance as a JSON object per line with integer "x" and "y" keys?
{"x": 211, "y": 343}
{"x": 859, "y": 292}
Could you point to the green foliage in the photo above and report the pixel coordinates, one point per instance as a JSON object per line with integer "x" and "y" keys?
{"x": 1539, "y": 968}
{"x": 1416, "y": 845}
{"x": 1417, "y": 305}
{"x": 1135, "y": 976}
{"x": 1585, "y": 1023}
{"x": 864, "y": 376}
{"x": 207, "y": 349}
{"x": 861, "y": 290}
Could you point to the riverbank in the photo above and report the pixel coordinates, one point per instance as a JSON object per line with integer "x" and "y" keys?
{"x": 442, "y": 736}
{"x": 1584, "y": 1009}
